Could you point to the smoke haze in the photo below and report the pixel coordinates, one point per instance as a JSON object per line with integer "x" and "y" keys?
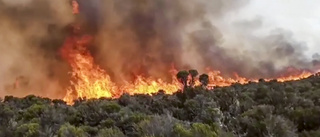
{"x": 142, "y": 37}
{"x": 31, "y": 33}
{"x": 147, "y": 36}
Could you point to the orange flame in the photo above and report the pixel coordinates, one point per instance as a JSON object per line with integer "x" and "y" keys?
{"x": 216, "y": 79}
{"x": 90, "y": 81}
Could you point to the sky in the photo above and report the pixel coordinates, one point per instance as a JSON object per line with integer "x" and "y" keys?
{"x": 301, "y": 17}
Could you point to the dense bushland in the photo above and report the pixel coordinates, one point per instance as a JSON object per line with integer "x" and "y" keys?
{"x": 289, "y": 109}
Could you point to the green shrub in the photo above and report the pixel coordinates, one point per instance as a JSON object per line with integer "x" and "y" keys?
{"x": 28, "y": 130}
{"x": 110, "y": 132}
{"x": 68, "y": 130}
{"x": 284, "y": 109}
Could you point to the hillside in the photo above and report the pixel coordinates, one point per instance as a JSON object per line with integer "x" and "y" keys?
{"x": 272, "y": 108}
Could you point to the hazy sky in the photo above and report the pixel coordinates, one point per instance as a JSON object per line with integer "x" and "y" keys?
{"x": 301, "y": 17}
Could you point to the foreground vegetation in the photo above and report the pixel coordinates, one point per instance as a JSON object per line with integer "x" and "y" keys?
{"x": 289, "y": 109}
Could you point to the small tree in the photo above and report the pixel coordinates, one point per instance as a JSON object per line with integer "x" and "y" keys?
{"x": 183, "y": 77}
{"x": 204, "y": 79}
{"x": 194, "y": 74}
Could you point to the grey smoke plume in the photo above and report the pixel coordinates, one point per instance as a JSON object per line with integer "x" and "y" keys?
{"x": 266, "y": 53}
{"x": 141, "y": 37}
{"x": 31, "y": 31}
{"x": 146, "y": 37}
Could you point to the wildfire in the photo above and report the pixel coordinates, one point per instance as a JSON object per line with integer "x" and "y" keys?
{"x": 216, "y": 79}
{"x": 90, "y": 81}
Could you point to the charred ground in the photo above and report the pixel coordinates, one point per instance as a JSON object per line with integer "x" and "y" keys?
{"x": 273, "y": 108}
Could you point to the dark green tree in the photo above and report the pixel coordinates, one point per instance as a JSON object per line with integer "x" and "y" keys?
{"x": 204, "y": 79}
{"x": 194, "y": 73}
{"x": 183, "y": 77}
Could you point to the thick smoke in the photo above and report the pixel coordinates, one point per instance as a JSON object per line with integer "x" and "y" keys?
{"x": 31, "y": 33}
{"x": 140, "y": 37}
{"x": 265, "y": 52}
{"x": 147, "y": 37}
